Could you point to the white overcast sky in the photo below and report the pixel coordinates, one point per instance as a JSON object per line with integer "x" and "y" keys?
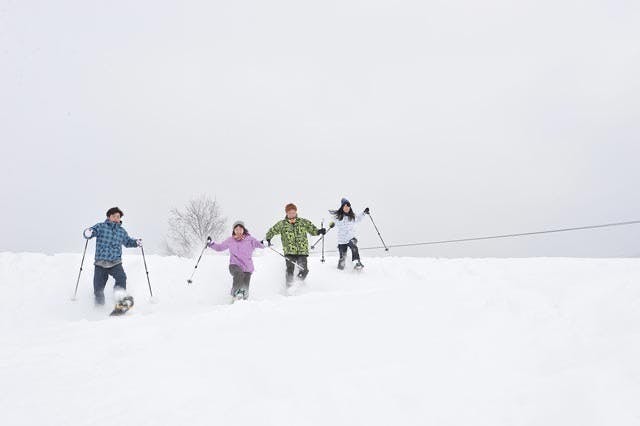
{"x": 447, "y": 118}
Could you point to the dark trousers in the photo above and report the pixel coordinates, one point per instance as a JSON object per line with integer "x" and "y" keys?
{"x": 300, "y": 260}
{"x": 241, "y": 280}
{"x": 353, "y": 245}
{"x": 101, "y": 275}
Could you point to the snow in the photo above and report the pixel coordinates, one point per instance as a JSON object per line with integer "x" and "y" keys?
{"x": 409, "y": 341}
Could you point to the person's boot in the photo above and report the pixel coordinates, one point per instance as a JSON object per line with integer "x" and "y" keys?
{"x": 357, "y": 265}
{"x": 240, "y": 295}
{"x": 341, "y": 263}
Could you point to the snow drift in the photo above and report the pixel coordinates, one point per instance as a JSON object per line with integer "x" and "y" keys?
{"x": 408, "y": 341}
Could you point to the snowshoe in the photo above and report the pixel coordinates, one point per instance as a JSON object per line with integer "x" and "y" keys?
{"x": 122, "y": 306}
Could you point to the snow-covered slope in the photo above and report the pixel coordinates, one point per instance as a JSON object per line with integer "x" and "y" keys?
{"x": 407, "y": 342}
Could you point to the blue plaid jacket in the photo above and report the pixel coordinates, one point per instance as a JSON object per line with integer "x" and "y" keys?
{"x": 111, "y": 237}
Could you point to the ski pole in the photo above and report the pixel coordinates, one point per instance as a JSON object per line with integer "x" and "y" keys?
{"x": 322, "y": 226}
{"x": 374, "y": 225}
{"x": 144, "y": 259}
{"x": 331, "y": 225}
{"x": 287, "y": 259}
{"x": 190, "y": 280}
{"x": 80, "y": 272}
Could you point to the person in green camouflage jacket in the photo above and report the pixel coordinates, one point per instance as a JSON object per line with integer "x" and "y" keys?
{"x": 293, "y": 232}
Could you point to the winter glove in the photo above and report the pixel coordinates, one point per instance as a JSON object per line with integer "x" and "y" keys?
{"x": 268, "y": 242}
{"x": 139, "y": 242}
{"x": 331, "y": 225}
{"x": 88, "y": 233}
{"x": 322, "y": 231}
{"x": 366, "y": 211}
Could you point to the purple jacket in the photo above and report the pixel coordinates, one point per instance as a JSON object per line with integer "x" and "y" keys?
{"x": 240, "y": 251}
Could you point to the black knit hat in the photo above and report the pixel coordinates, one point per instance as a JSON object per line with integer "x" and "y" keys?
{"x": 114, "y": 210}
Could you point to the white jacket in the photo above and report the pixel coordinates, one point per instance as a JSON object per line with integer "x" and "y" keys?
{"x": 347, "y": 228}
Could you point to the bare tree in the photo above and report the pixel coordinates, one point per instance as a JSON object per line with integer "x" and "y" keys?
{"x": 189, "y": 228}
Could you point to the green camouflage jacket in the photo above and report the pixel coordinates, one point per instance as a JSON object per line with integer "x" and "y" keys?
{"x": 293, "y": 236}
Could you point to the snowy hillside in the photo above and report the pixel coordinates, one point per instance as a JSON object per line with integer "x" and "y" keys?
{"x": 407, "y": 342}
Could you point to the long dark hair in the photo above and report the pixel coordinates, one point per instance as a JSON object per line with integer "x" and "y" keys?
{"x": 340, "y": 214}
{"x": 245, "y": 230}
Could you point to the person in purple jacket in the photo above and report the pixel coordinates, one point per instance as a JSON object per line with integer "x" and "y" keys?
{"x": 241, "y": 246}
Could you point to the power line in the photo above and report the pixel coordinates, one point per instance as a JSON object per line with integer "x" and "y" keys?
{"x": 495, "y": 237}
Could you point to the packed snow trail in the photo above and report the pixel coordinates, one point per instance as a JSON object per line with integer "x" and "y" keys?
{"x": 407, "y": 341}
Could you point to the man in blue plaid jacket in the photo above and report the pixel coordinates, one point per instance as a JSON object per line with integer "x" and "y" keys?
{"x": 111, "y": 236}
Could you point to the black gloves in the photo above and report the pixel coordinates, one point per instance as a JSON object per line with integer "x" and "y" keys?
{"x": 322, "y": 231}
{"x": 266, "y": 241}
{"x": 366, "y": 211}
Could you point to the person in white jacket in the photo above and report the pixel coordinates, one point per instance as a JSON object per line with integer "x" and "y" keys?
{"x": 345, "y": 223}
